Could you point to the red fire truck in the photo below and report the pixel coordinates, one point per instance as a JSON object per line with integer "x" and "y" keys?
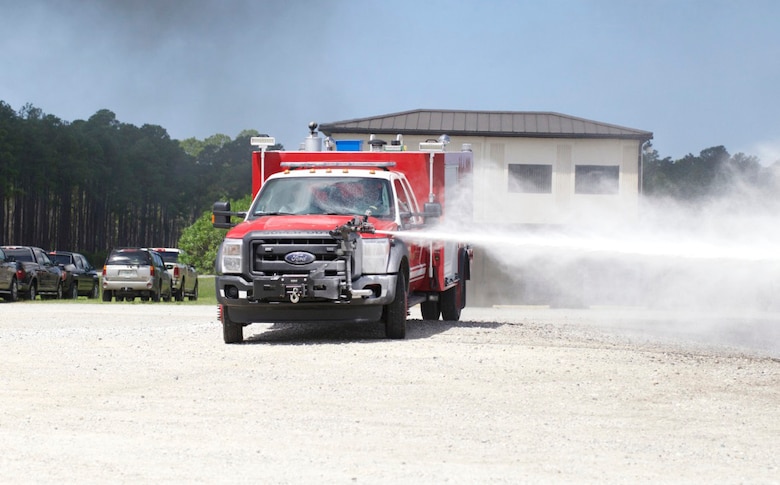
{"x": 344, "y": 236}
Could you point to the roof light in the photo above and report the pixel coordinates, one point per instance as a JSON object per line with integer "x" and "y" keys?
{"x": 431, "y": 146}
{"x": 262, "y": 141}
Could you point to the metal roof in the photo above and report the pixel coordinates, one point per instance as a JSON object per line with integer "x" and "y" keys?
{"x": 483, "y": 123}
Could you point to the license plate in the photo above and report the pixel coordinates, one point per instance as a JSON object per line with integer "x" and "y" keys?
{"x": 127, "y": 273}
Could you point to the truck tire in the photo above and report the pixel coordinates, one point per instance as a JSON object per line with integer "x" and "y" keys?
{"x": 107, "y": 295}
{"x": 95, "y": 293}
{"x": 232, "y": 332}
{"x": 13, "y": 293}
{"x": 452, "y": 302}
{"x": 430, "y": 310}
{"x": 395, "y": 312}
{"x": 194, "y": 295}
{"x": 180, "y": 292}
{"x": 73, "y": 291}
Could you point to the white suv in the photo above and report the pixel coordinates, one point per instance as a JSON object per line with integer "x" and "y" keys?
{"x": 135, "y": 272}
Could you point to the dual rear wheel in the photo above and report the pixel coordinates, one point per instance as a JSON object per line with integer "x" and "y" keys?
{"x": 450, "y": 303}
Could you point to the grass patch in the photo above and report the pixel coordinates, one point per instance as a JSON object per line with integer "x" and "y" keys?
{"x": 206, "y": 296}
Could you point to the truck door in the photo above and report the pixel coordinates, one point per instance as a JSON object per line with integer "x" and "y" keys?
{"x": 409, "y": 220}
{"x": 48, "y": 278}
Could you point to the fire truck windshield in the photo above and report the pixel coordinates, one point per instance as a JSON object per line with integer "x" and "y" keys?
{"x": 325, "y": 195}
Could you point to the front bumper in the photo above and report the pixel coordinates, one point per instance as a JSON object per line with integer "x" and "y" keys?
{"x": 297, "y": 298}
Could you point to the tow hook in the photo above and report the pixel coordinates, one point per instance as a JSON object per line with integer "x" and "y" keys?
{"x": 295, "y": 295}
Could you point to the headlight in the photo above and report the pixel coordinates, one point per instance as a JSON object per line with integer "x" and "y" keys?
{"x": 375, "y": 254}
{"x": 230, "y": 256}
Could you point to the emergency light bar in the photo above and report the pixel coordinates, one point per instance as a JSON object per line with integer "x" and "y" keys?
{"x": 262, "y": 141}
{"x": 336, "y": 163}
{"x": 431, "y": 146}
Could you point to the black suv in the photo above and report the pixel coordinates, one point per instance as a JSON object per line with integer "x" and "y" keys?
{"x": 81, "y": 278}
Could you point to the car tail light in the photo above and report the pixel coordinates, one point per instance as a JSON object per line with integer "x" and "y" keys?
{"x": 20, "y": 274}
{"x": 104, "y": 270}
{"x": 151, "y": 270}
{"x": 175, "y": 271}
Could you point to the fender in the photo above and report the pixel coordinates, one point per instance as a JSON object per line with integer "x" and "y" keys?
{"x": 398, "y": 253}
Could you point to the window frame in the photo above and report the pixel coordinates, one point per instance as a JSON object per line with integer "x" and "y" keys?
{"x": 529, "y": 182}
{"x": 591, "y": 179}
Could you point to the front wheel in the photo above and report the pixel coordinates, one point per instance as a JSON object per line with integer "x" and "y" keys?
{"x": 194, "y": 295}
{"x": 95, "y": 293}
{"x": 395, "y": 312}
{"x": 73, "y": 291}
{"x": 232, "y": 332}
{"x": 107, "y": 295}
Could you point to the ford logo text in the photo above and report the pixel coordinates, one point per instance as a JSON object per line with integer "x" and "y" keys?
{"x": 299, "y": 257}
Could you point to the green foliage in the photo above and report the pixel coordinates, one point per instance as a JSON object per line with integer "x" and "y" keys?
{"x": 192, "y": 146}
{"x": 201, "y": 240}
{"x": 712, "y": 175}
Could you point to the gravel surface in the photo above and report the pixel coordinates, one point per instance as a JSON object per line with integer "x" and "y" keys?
{"x": 119, "y": 393}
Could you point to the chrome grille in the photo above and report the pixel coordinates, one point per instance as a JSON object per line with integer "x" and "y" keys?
{"x": 268, "y": 254}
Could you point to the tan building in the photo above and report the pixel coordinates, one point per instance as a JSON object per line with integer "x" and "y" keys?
{"x": 534, "y": 168}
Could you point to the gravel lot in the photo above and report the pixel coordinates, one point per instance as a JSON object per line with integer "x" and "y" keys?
{"x": 98, "y": 392}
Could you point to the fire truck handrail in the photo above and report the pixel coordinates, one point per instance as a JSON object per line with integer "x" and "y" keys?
{"x": 336, "y": 163}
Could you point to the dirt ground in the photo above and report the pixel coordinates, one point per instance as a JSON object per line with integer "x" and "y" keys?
{"x": 120, "y": 393}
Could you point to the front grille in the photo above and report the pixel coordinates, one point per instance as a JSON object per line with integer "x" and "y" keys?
{"x": 268, "y": 255}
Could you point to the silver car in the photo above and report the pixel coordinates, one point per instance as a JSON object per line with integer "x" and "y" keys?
{"x": 135, "y": 272}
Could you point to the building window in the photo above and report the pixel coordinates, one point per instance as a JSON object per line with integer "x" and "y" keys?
{"x": 596, "y": 179}
{"x": 530, "y": 179}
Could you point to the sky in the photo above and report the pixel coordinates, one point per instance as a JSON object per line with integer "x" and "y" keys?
{"x": 695, "y": 73}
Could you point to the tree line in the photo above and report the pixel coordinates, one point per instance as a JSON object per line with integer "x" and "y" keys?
{"x": 89, "y": 186}
{"x": 712, "y": 175}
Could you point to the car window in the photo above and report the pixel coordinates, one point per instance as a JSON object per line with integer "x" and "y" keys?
{"x": 21, "y": 254}
{"x": 42, "y": 257}
{"x": 129, "y": 258}
{"x": 61, "y": 258}
{"x": 169, "y": 256}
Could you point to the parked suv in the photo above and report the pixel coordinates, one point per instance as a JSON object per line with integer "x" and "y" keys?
{"x": 135, "y": 272}
{"x": 81, "y": 278}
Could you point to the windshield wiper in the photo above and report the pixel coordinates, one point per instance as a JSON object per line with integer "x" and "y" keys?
{"x": 275, "y": 213}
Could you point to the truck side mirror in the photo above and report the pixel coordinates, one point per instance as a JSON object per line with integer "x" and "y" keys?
{"x": 432, "y": 209}
{"x": 220, "y": 216}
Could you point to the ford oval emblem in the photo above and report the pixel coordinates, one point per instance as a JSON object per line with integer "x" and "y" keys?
{"x": 299, "y": 257}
